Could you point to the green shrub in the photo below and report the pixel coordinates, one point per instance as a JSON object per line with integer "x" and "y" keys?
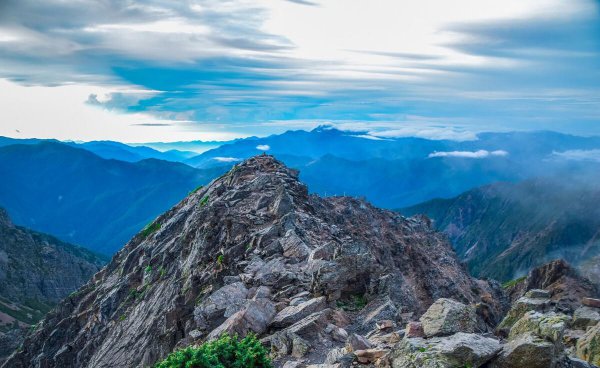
{"x": 150, "y": 229}
{"x": 148, "y": 269}
{"x": 354, "y": 303}
{"x": 204, "y": 200}
{"x": 512, "y": 283}
{"x": 226, "y": 352}
{"x": 220, "y": 259}
{"x": 197, "y": 189}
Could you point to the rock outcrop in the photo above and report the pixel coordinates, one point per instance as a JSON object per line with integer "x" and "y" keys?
{"x": 565, "y": 284}
{"x": 254, "y": 252}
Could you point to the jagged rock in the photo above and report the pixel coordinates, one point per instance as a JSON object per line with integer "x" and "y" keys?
{"x": 357, "y": 342}
{"x": 591, "y": 302}
{"x": 293, "y": 364}
{"x": 379, "y": 309}
{"x": 312, "y": 325}
{"x": 588, "y": 346}
{"x": 414, "y": 329}
{"x": 384, "y": 324}
{"x": 565, "y": 285}
{"x": 300, "y": 347}
{"x": 222, "y": 303}
{"x": 334, "y": 355}
{"x": 526, "y": 350}
{"x": 522, "y": 306}
{"x": 537, "y": 294}
{"x": 369, "y": 355}
{"x": 571, "y": 337}
{"x": 293, "y": 246}
{"x": 256, "y": 227}
{"x": 585, "y": 317}
{"x": 295, "y": 313}
{"x": 458, "y": 350}
{"x": 577, "y": 363}
{"x": 446, "y": 317}
{"x": 254, "y": 317}
{"x": 550, "y": 326}
{"x": 337, "y": 333}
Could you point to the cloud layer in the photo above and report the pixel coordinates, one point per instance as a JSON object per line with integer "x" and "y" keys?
{"x": 236, "y": 66}
{"x": 470, "y": 154}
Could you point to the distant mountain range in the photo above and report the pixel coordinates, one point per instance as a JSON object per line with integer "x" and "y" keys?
{"x": 85, "y": 199}
{"x": 113, "y": 150}
{"x": 503, "y": 230}
{"x": 399, "y": 172}
{"x": 98, "y": 194}
{"x": 36, "y": 272}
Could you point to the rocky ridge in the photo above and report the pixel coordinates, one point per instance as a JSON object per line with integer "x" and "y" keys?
{"x": 254, "y": 252}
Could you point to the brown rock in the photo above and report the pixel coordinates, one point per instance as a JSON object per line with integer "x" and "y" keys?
{"x": 295, "y": 313}
{"x": 414, "y": 329}
{"x": 369, "y": 355}
{"x": 591, "y": 302}
{"x": 255, "y": 317}
{"x": 384, "y": 324}
{"x": 357, "y": 342}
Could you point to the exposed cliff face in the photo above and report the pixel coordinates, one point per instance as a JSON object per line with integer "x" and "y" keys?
{"x": 504, "y": 230}
{"x": 252, "y": 251}
{"x": 36, "y": 272}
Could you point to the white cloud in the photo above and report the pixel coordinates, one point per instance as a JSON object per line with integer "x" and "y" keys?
{"x": 227, "y": 159}
{"x": 579, "y": 155}
{"x": 434, "y": 133}
{"x": 63, "y": 112}
{"x": 263, "y": 147}
{"x": 469, "y": 154}
{"x": 368, "y": 136}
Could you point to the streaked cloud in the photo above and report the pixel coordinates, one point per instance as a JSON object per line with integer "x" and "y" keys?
{"x": 470, "y": 154}
{"x": 263, "y": 147}
{"x": 579, "y": 155}
{"x": 227, "y": 159}
{"x": 240, "y": 67}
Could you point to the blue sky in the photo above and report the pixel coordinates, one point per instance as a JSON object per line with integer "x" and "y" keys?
{"x": 162, "y": 70}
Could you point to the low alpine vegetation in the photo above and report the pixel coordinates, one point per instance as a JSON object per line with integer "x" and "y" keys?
{"x": 150, "y": 229}
{"x": 225, "y": 352}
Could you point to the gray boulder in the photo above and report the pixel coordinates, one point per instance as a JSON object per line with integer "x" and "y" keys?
{"x": 585, "y": 317}
{"x": 295, "y": 313}
{"x": 254, "y": 317}
{"x": 527, "y": 350}
{"x": 550, "y": 326}
{"x": 458, "y": 350}
{"x": 446, "y": 317}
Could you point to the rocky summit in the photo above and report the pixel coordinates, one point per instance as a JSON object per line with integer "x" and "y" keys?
{"x": 253, "y": 251}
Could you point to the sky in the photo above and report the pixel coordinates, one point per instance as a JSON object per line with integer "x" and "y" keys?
{"x": 163, "y": 70}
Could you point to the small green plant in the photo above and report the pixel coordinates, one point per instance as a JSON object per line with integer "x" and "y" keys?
{"x": 355, "y": 303}
{"x": 512, "y": 283}
{"x": 148, "y": 269}
{"x": 220, "y": 259}
{"x": 162, "y": 272}
{"x": 225, "y": 352}
{"x": 204, "y": 201}
{"x": 150, "y": 229}
{"x": 422, "y": 349}
{"x": 122, "y": 317}
{"x": 197, "y": 189}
